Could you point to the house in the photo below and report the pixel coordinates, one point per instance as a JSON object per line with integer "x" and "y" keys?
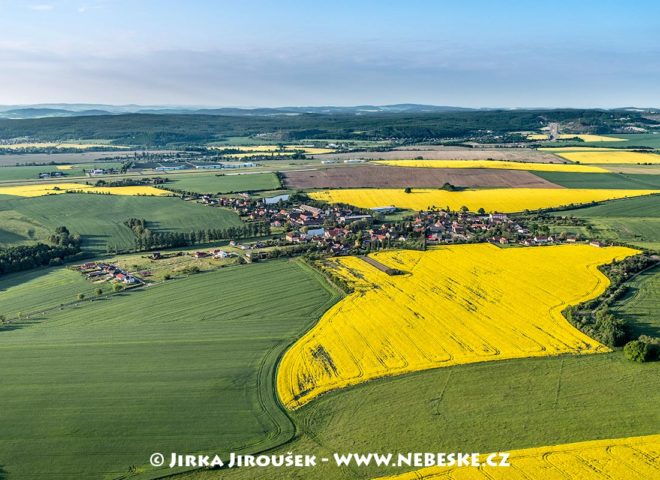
{"x": 276, "y": 199}
{"x": 313, "y": 210}
{"x": 334, "y": 233}
{"x": 498, "y": 217}
{"x": 384, "y": 210}
{"x": 200, "y": 254}
{"x": 596, "y": 244}
{"x": 220, "y": 254}
{"x": 354, "y": 218}
{"x": 292, "y": 237}
{"x": 315, "y": 232}
{"x": 571, "y": 239}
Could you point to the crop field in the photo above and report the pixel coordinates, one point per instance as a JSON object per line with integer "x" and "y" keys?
{"x": 495, "y": 164}
{"x": 37, "y": 190}
{"x": 453, "y": 305}
{"x": 492, "y": 200}
{"x": 80, "y": 146}
{"x": 36, "y": 217}
{"x": 583, "y": 137}
{"x": 536, "y": 401}
{"x": 184, "y": 366}
{"x": 32, "y": 172}
{"x": 433, "y": 152}
{"x": 602, "y": 180}
{"x": 641, "y": 305}
{"x": 380, "y": 176}
{"x": 32, "y": 292}
{"x": 212, "y": 183}
{"x": 616, "y": 458}
{"x": 579, "y": 149}
{"x": 634, "y": 220}
{"x": 14, "y": 159}
{"x": 627, "y": 140}
{"x": 249, "y": 151}
{"x": 611, "y": 157}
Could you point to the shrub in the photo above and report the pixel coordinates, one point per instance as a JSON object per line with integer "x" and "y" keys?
{"x": 637, "y": 351}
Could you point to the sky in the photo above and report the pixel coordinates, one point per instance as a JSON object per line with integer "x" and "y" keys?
{"x": 250, "y": 53}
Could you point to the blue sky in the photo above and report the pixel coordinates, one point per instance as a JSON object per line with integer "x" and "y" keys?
{"x": 274, "y": 53}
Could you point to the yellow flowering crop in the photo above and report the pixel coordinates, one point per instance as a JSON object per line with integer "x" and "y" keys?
{"x": 453, "y": 305}
{"x": 493, "y": 200}
{"x": 620, "y": 458}
{"x": 610, "y": 157}
{"x": 583, "y": 137}
{"x": 497, "y": 164}
{"x": 580, "y": 149}
{"x": 39, "y": 189}
{"x": 261, "y": 149}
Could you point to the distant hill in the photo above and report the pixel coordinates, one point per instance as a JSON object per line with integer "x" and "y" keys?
{"x": 75, "y": 110}
{"x": 84, "y": 109}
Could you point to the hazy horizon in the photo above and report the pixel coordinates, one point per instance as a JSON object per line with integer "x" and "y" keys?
{"x": 252, "y": 54}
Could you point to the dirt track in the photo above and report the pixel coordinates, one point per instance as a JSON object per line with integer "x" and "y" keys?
{"x": 381, "y": 176}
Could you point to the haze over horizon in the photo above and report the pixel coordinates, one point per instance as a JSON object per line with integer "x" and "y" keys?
{"x": 595, "y": 54}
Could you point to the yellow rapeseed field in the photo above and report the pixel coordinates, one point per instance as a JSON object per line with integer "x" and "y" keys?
{"x": 610, "y": 157}
{"x": 580, "y": 149}
{"x": 261, "y": 149}
{"x": 497, "y": 164}
{"x": 453, "y": 305}
{"x": 37, "y": 190}
{"x": 583, "y": 137}
{"x": 620, "y": 459}
{"x": 64, "y": 167}
{"x": 492, "y": 200}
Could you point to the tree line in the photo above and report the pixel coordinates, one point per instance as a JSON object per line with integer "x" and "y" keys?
{"x": 26, "y": 257}
{"x": 147, "y": 239}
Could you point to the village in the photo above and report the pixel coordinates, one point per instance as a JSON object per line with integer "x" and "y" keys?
{"x": 343, "y": 229}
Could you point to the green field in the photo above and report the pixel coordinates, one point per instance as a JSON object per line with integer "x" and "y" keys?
{"x": 641, "y": 305}
{"x": 228, "y": 183}
{"x": 35, "y": 291}
{"x": 99, "y": 218}
{"x": 631, "y": 140}
{"x": 32, "y": 172}
{"x": 493, "y": 406}
{"x": 602, "y": 180}
{"x": 184, "y": 366}
{"x": 631, "y": 220}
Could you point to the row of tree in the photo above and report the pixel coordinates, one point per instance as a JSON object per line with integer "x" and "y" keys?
{"x": 147, "y": 239}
